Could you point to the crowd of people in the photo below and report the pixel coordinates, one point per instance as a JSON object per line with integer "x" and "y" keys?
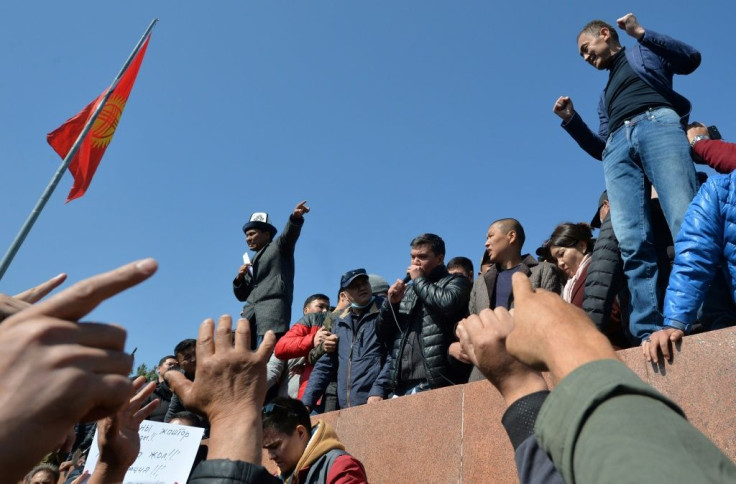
{"x": 663, "y": 266}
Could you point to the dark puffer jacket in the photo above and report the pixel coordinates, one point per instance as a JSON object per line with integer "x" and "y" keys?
{"x": 439, "y": 301}
{"x": 604, "y": 284}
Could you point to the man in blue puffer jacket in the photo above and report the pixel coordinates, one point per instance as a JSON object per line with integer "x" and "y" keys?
{"x": 705, "y": 245}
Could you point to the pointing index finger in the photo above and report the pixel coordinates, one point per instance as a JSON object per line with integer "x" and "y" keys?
{"x": 37, "y": 293}
{"x": 81, "y": 298}
{"x": 521, "y": 286}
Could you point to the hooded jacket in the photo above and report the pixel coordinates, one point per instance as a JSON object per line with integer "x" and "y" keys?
{"x": 325, "y": 461}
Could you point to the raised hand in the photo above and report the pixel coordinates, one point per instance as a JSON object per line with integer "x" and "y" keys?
{"x": 70, "y": 371}
{"x": 563, "y": 108}
{"x": 457, "y": 351}
{"x": 631, "y": 25}
{"x": 35, "y": 294}
{"x": 229, "y": 389}
{"x": 117, "y": 435}
{"x": 300, "y": 209}
{"x": 483, "y": 338}
{"x": 396, "y": 291}
{"x": 10, "y": 305}
{"x": 552, "y": 334}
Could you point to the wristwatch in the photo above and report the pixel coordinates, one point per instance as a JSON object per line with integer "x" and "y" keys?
{"x": 698, "y": 138}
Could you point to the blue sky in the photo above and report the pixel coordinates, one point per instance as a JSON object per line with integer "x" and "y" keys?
{"x": 390, "y": 118}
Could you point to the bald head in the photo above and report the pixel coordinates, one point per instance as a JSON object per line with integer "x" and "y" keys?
{"x": 507, "y": 225}
{"x": 504, "y": 241}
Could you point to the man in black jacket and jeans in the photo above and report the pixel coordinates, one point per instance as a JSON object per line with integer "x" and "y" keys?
{"x": 417, "y": 321}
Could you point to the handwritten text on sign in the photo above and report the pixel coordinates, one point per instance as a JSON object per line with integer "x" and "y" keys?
{"x": 166, "y": 456}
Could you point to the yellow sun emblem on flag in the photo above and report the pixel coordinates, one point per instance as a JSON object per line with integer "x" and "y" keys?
{"x": 107, "y": 122}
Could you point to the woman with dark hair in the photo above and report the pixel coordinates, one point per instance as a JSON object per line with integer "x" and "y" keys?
{"x": 571, "y": 245}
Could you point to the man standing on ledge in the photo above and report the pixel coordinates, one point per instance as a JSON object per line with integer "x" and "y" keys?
{"x": 641, "y": 141}
{"x": 266, "y": 284}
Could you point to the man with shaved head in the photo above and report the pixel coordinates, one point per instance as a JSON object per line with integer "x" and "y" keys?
{"x": 504, "y": 242}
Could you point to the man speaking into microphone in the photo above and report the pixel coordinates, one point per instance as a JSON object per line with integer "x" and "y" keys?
{"x": 417, "y": 321}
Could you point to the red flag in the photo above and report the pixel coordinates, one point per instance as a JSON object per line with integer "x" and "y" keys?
{"x": 87, "y": 158}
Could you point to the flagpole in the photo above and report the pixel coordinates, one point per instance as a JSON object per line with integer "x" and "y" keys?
{"x": 28, "y": 224}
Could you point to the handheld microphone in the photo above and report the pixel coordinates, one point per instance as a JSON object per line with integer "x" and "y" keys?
{"x": 406, "y": 279}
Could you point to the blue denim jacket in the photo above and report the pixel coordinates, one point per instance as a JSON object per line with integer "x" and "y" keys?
{"x": 655, "y": 58}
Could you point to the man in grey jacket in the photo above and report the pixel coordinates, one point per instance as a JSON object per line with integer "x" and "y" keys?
{"x": 504, "y": 241}
{"x": 266, "y": 284}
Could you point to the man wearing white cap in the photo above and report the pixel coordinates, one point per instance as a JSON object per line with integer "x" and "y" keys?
{"x": 266, "y": 283}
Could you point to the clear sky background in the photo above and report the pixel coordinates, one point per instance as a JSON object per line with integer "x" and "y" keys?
{"x": 391, "y": 118}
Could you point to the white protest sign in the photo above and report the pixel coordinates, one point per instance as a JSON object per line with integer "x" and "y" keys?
{"x": 166, "y": 456}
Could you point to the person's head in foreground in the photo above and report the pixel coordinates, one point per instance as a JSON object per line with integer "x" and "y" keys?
{"x": 306, "y": 454}
{"x": 287, "y": 429}
{"x": 43, "y": 474}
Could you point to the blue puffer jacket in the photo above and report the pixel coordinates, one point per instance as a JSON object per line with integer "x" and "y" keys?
{"x": 706, "y": 243}
{"x": 360, "y": 362}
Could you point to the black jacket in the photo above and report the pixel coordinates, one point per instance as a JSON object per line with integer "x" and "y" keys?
{"x": 439, "y": 301}
{"x": 223, "y": 471}
{"x": 604, "y": 282}
{"x": 163, "y": 394}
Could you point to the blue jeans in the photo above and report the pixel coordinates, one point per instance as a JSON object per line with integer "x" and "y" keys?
{"x": 650, "y": 149}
